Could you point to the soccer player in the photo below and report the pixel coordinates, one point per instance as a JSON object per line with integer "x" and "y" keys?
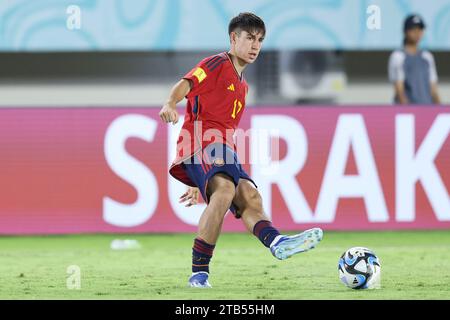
{"x": 206, "y": 157}
{"x": 411, "y": 70}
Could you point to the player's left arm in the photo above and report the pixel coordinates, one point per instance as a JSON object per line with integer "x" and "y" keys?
{"x": 434, "y": 93}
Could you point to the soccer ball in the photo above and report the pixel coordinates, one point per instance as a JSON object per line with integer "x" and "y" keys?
{"x": 360, "y": 268}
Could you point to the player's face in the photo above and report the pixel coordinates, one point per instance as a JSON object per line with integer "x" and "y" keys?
{"x": 247, "y": 45}
{"x": 414, "y": 35}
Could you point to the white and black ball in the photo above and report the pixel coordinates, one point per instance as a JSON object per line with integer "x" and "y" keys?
{"x": 360, "y": 268}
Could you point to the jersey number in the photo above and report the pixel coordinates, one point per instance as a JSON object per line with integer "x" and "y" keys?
{"x": 236, "y": 105}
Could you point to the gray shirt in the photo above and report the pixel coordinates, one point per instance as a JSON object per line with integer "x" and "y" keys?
{"x": 417, "y": 73}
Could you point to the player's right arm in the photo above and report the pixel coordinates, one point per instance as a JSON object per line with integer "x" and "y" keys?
{"x": 201, "y": 79}
{"x": 168, "y": 112}
{"x": 397, "y": 75}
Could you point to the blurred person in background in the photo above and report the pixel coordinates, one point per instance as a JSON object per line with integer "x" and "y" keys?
{"x": 412, "y": 70}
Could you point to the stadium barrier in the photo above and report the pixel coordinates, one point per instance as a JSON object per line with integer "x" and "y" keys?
{"x": 89, "y": 170}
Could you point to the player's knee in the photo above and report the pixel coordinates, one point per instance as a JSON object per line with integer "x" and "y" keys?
{"x": 253, "y": 200}
{"x": 254, "y": 196}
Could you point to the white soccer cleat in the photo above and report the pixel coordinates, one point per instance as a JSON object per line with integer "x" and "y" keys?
{"x": 199, "y": 280}
{"x": 283, "y": 247}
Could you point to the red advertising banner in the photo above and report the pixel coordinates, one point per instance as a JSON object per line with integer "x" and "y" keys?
{"x": 86, "y": 170}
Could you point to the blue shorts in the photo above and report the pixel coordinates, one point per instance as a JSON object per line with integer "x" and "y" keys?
{"x": 215, "y": 158}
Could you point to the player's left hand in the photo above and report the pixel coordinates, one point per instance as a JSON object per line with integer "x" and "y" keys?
{"x": 190, "y": 196}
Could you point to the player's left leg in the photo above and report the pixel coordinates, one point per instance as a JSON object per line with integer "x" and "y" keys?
{"x": 248, "y": 205}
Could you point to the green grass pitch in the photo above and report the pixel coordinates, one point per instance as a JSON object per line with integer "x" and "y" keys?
{"x": 415, "y": 265}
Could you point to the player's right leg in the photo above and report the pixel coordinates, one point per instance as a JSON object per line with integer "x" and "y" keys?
{"x": 220, "y": 193}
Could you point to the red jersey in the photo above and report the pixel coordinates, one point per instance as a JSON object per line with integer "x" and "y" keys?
{"x": 213, "y": 111}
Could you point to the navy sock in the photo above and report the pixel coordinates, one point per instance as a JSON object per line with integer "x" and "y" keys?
{"x": 265, "y": 232}
{"x": 201, "y": 255}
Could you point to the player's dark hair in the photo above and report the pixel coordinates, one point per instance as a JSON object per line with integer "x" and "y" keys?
{"x": 247, "y": 21}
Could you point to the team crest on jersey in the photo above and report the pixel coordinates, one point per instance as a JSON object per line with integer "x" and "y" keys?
{"x": 231, "y": 87}
{"x": 200, "y": 74}
{"x": 218, "y": 162}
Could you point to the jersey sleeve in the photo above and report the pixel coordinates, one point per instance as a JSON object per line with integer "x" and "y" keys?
{"x": 395, "y": 67}
{"x": 204, "y": 75}
{"x": 432, "y": 66}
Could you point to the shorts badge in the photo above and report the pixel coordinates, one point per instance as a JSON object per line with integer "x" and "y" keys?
{"x": 218, "y": 162}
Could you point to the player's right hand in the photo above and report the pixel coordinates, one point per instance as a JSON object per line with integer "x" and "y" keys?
{"x": 169, "y": 113}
